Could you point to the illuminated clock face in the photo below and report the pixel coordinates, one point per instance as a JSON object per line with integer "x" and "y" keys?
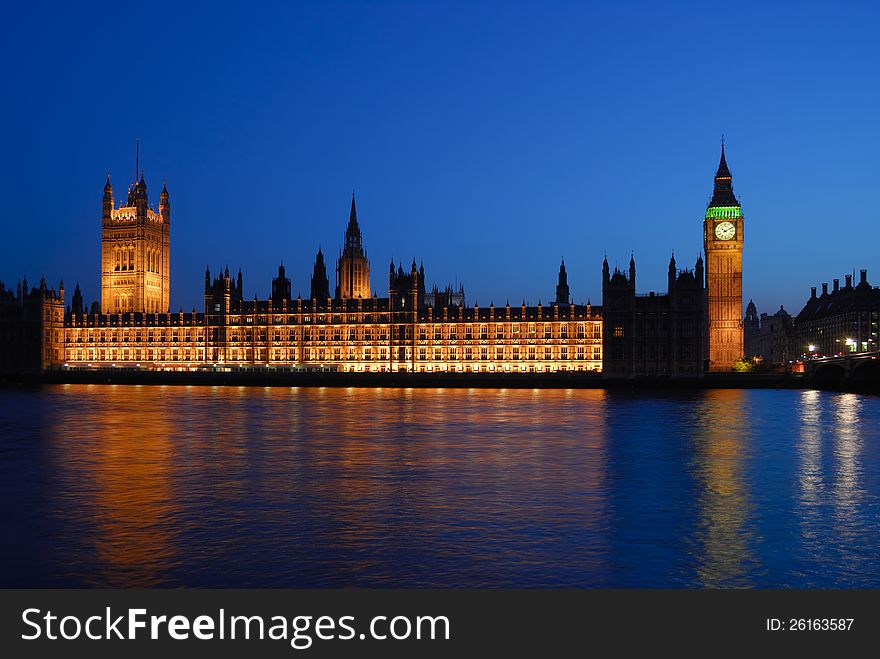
{"x": 725, "y": 230}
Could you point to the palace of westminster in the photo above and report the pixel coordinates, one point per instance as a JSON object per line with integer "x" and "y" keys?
{"x": 696, "y": 326}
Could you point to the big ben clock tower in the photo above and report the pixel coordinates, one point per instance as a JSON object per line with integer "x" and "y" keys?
{"x": 723, "y": 241}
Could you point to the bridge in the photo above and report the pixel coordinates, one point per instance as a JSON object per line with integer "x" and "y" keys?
{"x": 855, "y": 367}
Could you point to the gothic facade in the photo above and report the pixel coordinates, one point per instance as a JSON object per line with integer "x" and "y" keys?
{"x": 352, "y": 330}
{"x": 695, "y": 326}
{"x": 373, "y": 334}
{"x": 135, "y": 252}
{"x": 654, "y": 334}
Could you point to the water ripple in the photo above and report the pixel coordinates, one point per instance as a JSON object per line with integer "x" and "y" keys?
{"x": 254, "y": 487}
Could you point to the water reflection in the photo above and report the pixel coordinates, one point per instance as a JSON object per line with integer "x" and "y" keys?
{"x": 833, "y": 499}
{"x": 248, "y": 487}
{"x": 119, "y": 498}
{"x": 811, "y": 474}
{"x": 725, "y": 539}
{"x": 848, "y": 492}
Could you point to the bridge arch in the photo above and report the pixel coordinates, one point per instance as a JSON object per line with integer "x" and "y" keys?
{"x": 829, "y": 373}
{"x": 867, "y": 370}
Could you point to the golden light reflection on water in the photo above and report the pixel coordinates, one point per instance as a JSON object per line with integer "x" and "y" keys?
{"x": 126, "y": 475}
{"x": 352, "y": 469}
{"x": 725, "y": 557}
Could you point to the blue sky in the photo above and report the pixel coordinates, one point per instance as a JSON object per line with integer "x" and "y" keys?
{"x": 486, "y": 139}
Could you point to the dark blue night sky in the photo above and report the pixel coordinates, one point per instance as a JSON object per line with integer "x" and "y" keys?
{"x": 487, "y": 139}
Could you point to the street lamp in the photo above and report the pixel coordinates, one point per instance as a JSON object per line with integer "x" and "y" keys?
{"x": 812, "y": 349}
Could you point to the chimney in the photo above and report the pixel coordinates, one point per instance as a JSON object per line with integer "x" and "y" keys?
{"x": 849, "y": 281}
{"x": 825, "y": 288}
{"x": 863, "y": 276}
{"x": 836, "y": 285}
{"x": 813, "y": 293}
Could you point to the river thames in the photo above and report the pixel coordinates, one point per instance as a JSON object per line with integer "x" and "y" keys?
{"x": 143, "y": 486}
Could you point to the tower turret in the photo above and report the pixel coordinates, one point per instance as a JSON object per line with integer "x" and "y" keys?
{"x": 77, "y": 305}
{"x": 320, "y": 289}
{"x": 563, "y": 295}
{"x": 407, "y": 290}
{"x": 164, "y": 204}
{"x": 281, "y": 287}
{"x": 140, "y": 197}
{"x": 107, "y": 210}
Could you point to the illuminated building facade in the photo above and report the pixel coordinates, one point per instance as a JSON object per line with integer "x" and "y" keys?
{"x": 355, "y": 330}
{"x": 844, "y": 320}
{"x": 135, "y": 252}
{"x": 654, "y": 335}
{"x": 373, "y": 334}
{"x": 723, "y": 242}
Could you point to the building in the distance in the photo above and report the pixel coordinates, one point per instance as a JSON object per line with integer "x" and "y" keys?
{"x": 841, "y": 321}
{"x": 653, "y": 334}
{"x": 768, "y": 339}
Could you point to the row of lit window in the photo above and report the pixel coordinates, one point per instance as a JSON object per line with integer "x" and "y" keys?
{"x": 335, "y": 355}
{"x": 123, "y": 335}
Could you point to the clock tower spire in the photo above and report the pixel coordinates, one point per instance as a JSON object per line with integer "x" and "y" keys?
{"x": 723, "y": 242}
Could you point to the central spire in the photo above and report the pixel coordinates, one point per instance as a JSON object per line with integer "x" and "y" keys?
{"x": 352, "y": 216}
{"x": 353, "y": 231}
